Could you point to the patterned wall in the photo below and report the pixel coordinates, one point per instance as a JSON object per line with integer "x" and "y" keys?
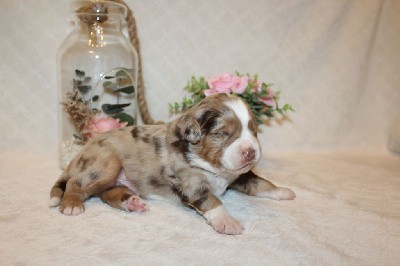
{"x": 337, "y": 62}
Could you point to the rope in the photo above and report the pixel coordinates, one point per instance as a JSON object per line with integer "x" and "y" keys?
{"x": 140, "y": 88}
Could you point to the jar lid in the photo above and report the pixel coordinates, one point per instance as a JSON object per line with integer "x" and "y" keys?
{"x": 90, "y": 11}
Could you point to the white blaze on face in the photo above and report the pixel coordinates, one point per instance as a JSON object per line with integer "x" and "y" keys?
{"x": 233, "y": 156}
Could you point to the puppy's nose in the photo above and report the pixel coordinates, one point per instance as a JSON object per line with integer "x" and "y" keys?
{"x": 249, "y": 154}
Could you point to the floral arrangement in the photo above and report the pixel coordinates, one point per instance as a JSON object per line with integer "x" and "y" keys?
{"x": 261, "y": 98}
{"x": 90, "y": 121}
{"x": 96, "y": 107}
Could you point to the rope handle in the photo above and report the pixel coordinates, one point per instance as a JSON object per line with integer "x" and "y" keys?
{"x": 133, "y": 36}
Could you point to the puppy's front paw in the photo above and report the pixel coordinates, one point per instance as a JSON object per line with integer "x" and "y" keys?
{"x": 223, "y": 222}
{"x": 227, "y": 225}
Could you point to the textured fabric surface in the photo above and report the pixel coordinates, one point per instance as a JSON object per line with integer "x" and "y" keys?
{"x": 337, "y": 62}
{"x": 346, "y": 212}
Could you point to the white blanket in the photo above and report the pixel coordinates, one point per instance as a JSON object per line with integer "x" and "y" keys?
{"x": 346, "y": 212}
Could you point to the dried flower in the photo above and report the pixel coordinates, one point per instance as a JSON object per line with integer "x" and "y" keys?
{"x": 80, "y": 113}
{"x": 85, "y": 118}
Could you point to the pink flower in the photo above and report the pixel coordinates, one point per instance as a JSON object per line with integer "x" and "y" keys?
{"x": 269, "y": 100}
{"x": 101, "y": 124}
{"x": 226, "y": 83}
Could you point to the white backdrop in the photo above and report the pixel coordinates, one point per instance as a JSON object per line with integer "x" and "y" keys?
{"x": 337, "y": 62}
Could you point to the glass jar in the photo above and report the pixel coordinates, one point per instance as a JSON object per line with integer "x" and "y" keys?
{"x": 97, "y": 76}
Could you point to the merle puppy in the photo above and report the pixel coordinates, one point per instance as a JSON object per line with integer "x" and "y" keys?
{"x": 194, "y": 158}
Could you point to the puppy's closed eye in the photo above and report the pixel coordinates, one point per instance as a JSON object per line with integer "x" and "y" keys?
{"x": 220, "y": 134}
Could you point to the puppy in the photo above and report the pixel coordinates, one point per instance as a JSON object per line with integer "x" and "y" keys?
{"x": 194, "y": 159}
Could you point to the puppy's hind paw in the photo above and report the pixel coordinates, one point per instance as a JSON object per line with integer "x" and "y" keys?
{"x": 73, "y": 210}
{"x": 70, "y": 207}
{"x": 278, "y": 193}
{"x": 135, "y": 203}
{"x": 283, "y": 193}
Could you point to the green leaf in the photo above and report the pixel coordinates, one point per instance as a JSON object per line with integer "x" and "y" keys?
{"x": 110, "y": 86}
{"x": 124, "y": 117}
{"x": 257, "y": 107}
{"x": 84, "y": 88}
{"x": 171, "y": 107}
{"x": 264, "y": 87}
{"x": 288, "y": 107}
{"x": 248, "y": 89}
{"x": 127, "y": 90}
{"x": 112, "y": 109}
{"x": 123, "y": 73}
{"x": 87, "y": 79}
{"x": 79, "y": 73}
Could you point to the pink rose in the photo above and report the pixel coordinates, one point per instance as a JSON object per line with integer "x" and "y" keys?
{"x": 101, "y": 124}
{"x": 269, "y": 100}
{"x": 226, "y": 83}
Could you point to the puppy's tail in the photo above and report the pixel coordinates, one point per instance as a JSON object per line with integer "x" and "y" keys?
{"x": 57, "y": 191}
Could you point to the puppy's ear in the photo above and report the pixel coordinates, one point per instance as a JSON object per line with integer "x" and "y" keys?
{"x": 187, "y": 128}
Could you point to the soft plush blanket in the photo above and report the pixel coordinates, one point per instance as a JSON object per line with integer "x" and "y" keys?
{"x": 346, "y": 212}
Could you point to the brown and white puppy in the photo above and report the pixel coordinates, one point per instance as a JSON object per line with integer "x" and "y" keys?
{"x": 195, "y": 158}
